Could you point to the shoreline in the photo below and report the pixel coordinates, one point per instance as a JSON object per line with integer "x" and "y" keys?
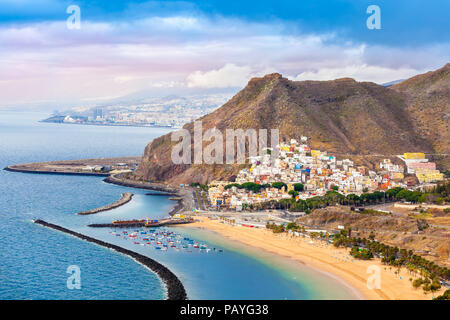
{"x": 126, "y": 197}
{"x": 183, "y": 194}
{"x": 175, "y": 288}
{"x": 334, "y": 262}
{"x": 113, "y": 125}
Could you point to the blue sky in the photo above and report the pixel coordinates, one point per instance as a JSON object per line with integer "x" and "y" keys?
{"x": 157, "y": 46}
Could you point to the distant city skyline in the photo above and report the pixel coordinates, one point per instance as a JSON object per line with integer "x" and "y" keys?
{"x": 127, "y": 48}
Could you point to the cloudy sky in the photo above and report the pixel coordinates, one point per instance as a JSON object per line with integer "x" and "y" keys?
{"x": 124, "y": 48}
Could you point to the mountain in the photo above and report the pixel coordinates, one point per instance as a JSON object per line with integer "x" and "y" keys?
{"x": 428, "y": 101}
{"x": 342, "y": 116}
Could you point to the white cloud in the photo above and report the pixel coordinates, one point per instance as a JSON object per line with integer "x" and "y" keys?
{"x": 360, "y": 72}
{"x": 229, "y": 75}
{"x": 50, "y": 62}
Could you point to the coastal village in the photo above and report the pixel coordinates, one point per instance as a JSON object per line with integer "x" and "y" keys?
{"x": 305, "y": 173}
{"x": 256, "y": 203}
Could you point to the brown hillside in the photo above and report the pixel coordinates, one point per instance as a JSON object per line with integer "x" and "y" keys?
{"x": 402, "y": 231}
{"x": 341, "y": 116}
{"x": 428, "y": 101}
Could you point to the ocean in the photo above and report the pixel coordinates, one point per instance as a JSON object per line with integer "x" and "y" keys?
{"x": 34, "y": 260}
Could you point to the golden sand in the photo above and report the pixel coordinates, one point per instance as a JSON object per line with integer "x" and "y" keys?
{"x": 394, "y": 285}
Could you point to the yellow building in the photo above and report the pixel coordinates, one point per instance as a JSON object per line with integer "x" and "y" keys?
{"x": 315, "y": 153}
{"x": 429, "y": 175}
{"x": 397, "y": 175}
{"x": 416, "y": 155}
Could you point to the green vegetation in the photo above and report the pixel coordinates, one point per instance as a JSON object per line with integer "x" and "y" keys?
{"x": 430, "y": 272}
{"x": 279, "y": 185}
{"x": 363, "y": 254}
{"x": 255, "y": 187}
{"x": 374, "y": 212}
{"x": 367, "y": 248}
{"x": 440, "y": 194}
{"x": 444, "y": 296}
{"x": 275, "y": 228}
{"x": 293, "y": 193}
{"x": 250, "y": 186}
{"x": 201, "y": 186}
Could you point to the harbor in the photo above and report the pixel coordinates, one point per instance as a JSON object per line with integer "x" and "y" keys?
{"x": 143, "y": 223}
{"x": 175, "y": 289}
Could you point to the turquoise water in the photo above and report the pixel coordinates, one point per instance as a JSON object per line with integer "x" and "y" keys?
{"x": 34, "y": 260}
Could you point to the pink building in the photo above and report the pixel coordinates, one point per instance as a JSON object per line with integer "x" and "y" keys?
{"x": 422, "y": 165}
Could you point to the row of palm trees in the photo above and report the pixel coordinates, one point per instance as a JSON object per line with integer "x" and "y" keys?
{"x": 393, "y": 256}
{"x": 333, "y": 197}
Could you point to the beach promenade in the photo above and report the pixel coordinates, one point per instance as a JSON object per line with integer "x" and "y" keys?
{"x": 337, "y": 262}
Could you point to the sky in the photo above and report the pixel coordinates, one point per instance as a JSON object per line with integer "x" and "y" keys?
{"x": 133, "y": 48}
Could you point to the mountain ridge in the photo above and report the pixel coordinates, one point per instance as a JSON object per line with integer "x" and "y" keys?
{"x": 341, "y": 116}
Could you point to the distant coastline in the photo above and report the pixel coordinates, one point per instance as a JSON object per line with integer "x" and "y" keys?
{"x": 113, "y": 124}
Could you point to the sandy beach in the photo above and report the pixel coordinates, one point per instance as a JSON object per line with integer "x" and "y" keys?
{"x": 326, "y": 258}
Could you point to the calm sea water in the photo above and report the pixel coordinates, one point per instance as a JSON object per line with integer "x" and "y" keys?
{"x": 34, "y": 260}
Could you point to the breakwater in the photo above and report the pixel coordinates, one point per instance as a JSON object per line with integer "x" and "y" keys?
{"x": 122, "y": 181}
{"x": 165, "y": 194}
{"x": 140, "y": 223}
{"x": 69, "y": 173}
{"x": 184, "y": 203}
{"x": 175, "y": 289}
{"x": 126, "y": 197}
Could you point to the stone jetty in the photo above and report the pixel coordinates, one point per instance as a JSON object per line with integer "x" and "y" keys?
{"x": 126, "y": 197}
